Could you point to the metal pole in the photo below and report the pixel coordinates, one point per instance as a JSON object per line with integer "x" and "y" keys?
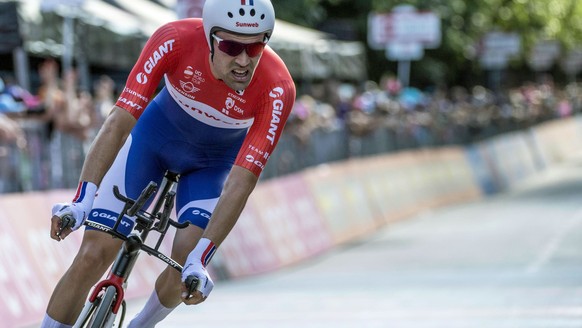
{"x": 68, "y": 42}
{"x": 21, "y": 68}
{"x": 404, "y": 72}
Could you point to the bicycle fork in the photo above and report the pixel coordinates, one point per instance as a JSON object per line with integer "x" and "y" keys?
{"x": 117, "y": 278}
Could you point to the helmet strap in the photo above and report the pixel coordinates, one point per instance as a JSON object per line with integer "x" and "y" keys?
{"x": 212, "y": 50}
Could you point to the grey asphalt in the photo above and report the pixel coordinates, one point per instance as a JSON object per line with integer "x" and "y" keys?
{"x": 511, "y": 260}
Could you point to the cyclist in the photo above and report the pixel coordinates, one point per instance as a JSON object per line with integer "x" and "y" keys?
{"x": 215, "y": 122}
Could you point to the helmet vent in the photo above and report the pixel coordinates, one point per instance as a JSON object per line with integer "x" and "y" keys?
{"x": 252, "y": 12}
{"x": 241, "y": 12}
{"x": 263, "y": 16}
{"x": 230, "y": 14}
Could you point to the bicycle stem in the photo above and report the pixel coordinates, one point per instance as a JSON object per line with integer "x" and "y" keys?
{"x": 127, "y": 256}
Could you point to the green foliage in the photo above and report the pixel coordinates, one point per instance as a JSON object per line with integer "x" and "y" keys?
{"x": 303, "y": 12}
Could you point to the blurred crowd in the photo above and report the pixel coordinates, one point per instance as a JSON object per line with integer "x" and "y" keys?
{"x": 443, "y": 116}
{"x": 45, "y": 134}
{"x": 58, "y": 103}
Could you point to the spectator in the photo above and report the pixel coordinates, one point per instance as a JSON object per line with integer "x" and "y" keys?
{"x": 78, "y": 108}
{"x": 21, "y": 95}
{"x": 8, "y": 104}
{"x": 11, "y": 132}
{"x": 301, "y": 120}
{"x": 103, "y": 100}
{"x": 67, "y": 108}
{"x": 51, "y": 94}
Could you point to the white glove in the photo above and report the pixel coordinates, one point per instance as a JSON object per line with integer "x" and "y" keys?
{"x": 196, "y": 264}
{"x": 76, "y": 210}
{"x": 80, "y": 207}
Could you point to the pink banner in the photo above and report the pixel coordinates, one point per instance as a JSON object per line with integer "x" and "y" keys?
{"x": 31, "y": 263}
{"x": 247, "y": 250}
{"x": 280, "y": 225}
{"x": 292, "y": 219}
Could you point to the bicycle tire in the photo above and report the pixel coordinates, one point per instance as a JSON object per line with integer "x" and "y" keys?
{"x": 104, "y": 308}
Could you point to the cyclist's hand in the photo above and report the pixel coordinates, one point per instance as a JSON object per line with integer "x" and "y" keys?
{"x": 204, "y": 285}
{"x": 75, "y": 210}
{"x": 195, "y": 266}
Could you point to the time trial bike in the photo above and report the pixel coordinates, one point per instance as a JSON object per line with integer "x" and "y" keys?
{"x": 107, "y": 297}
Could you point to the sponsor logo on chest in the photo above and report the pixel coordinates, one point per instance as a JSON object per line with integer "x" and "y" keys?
{"x": 230, "y": 105}
{"x": 189, "y": 81}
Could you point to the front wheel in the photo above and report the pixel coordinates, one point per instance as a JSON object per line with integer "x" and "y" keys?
{"x": 104, "y": 308}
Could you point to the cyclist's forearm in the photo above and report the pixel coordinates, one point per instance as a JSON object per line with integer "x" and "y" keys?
{"x": 106, "y": 145}
{"x": 238, "y": 187}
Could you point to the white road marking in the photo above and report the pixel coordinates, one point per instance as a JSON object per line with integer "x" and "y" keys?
{"x": 552, "y": 245}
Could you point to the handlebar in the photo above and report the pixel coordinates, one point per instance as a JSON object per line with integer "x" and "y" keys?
{"x": 142, "y": 199}
{"x": 165, "y": 214}
{"x": 67, "y": 221}
{"x": 191, "y": 284}
{"x": 145, "y": 221}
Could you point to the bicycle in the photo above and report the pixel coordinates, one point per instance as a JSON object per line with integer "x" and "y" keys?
{"x": 107, "y": 297}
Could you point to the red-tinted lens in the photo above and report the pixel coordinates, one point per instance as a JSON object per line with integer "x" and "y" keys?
{"x": 233, "y": 48}
{"x": 255, "y": 49}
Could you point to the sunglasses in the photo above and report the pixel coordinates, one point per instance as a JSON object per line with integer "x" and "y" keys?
{"x": 233, "y": 48}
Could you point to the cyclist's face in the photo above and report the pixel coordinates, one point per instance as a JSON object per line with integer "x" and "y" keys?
{"x": 236, "y": 71}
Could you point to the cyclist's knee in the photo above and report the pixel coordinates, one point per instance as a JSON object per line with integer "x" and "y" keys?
{"x": 169, "y": 287}
{"x": 184, "y": 242}
{"x": 170, "y": 277}
{"x": 89, "y": 259}
{"x": 94, "y": 256}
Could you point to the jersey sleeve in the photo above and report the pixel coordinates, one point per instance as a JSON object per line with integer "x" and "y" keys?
{"x": 263, "y": 135}
{"x": 159, "y": 56}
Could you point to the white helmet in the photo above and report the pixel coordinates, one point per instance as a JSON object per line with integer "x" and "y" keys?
{"x": 238, "y": 16}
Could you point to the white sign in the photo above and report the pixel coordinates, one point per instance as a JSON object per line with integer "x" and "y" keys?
{"x": 508, "y": 44}
{"x": 398, "y": 51}
{"x": 421, "y": 27}
{"x": 493, "y": 60}
{"x": 51, "y": 5}
{"x": 544, "y": 55}
{"x": 497, "y": 48}
{"x": 572, "y": 63}
{"x": 189, "y": 8}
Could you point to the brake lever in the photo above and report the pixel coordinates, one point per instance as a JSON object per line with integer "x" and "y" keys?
{"x": 67, "y": 221}
{"x": 191, "y": 284}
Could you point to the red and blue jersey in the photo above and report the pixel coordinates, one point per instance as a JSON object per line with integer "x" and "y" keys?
{"x": 204, "y": 111}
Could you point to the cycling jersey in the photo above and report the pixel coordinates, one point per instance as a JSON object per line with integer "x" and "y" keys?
{"x": 196, "y": 125}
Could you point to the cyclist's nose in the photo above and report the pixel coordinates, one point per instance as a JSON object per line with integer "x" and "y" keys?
{"x": 243, "y": 59}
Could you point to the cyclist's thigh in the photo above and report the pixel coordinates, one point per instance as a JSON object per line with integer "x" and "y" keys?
{"x": 197, "y": 196}
{"x": 99, "y": 246}
{"x": 134, "y": 167}
{"x": 198, "y": 193}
